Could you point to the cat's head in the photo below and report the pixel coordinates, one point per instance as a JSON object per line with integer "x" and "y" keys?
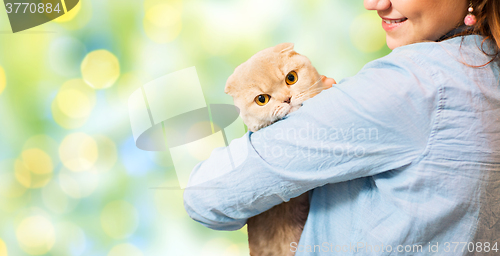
{"x": 271, "y": 84}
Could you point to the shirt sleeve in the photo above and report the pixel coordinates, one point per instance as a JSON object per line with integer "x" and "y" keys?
{"x": 378, "y": 120}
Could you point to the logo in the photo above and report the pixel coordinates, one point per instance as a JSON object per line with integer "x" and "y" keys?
{"x": 170, "y": 113}
{"x": 26, "y": 14}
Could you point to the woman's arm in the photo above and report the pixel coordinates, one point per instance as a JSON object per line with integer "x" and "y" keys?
{"x": 378, "y": 120}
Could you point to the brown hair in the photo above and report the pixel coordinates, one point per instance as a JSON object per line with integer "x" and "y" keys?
{"x": 487, "y": 14}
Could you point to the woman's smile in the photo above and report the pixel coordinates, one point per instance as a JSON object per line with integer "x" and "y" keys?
{"x": 412, "y": 21}
{"x": 391, "y": 24}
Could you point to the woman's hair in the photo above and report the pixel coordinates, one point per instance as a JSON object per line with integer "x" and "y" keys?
{"x": 487, "y": 14}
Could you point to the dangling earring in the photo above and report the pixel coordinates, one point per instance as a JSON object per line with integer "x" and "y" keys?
{"x": 470, "y": 19}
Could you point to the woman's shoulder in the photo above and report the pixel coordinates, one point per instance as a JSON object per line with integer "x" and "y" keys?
{"x": 455, "y": 51}
{"x": 437, "y": 61}
{"x": 466, "y": 42}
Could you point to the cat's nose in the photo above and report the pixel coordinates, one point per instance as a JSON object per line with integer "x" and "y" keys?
{"x": 288, "y": 100}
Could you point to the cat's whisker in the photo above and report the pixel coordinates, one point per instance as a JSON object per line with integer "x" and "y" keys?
{"x": 312, "y": 85}
{"x": 311, "y": 93}
{"x": 276, "y": 111}
{"x": 316, "y": 91}
{"x": 301, "y": 97}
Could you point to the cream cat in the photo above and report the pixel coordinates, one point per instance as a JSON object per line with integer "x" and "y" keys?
{"x": 271, "y": 84}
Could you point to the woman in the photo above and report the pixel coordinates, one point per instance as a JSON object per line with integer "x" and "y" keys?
{"x": 402, "y": 158}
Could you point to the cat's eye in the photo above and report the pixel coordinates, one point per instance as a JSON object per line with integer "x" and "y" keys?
{"x": 291, "y": 78}
{"x": 262, "y": 99}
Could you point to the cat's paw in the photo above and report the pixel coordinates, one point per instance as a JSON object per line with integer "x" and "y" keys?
{"x": 294, "y": 108}
{"x": 327, "y": 82}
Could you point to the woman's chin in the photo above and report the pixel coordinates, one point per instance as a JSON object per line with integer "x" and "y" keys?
{"x": 392, "y": 43}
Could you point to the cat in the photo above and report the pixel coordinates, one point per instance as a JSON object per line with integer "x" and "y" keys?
{"x": 268, "y": 86}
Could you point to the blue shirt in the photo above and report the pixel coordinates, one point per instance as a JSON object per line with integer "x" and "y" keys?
{"x": 402, "y": 158}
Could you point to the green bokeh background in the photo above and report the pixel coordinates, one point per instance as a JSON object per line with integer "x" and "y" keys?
{"x": 118, "y": 209}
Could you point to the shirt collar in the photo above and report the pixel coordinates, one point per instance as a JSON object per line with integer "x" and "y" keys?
{"x": 456, "y": 31}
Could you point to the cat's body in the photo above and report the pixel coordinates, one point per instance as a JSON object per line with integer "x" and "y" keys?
{"x": 271, "y": 84}
{"x": 271, "y": 232}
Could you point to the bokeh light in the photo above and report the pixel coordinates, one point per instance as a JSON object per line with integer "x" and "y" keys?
{"x": 3, "y": 80}
{"x": 367, "y": 33}
{"x": 56, "y": 200}
{"x": 45, "y": 143}
{"x": 3, "y": 248}
{"x": 23, "y": 174}
{"x": 119, "y": 219}
{"x": 78, "y": 152}
{"x": 34, "y": 168}
{"x": 70, "y": 240}
{"x": 13, "y": 196}
{"x": 9, "y": 185}
{"x": 71, "y": 14}
{"x": 78, "y": 184}
{"x": 125, "y": 250}
{"x": 108, "y": 154}
{"x": 245, "y": 21}
{"x": 37, "y": 161}
{"x": 73, "y": 104}
{"x": 163, "y": 20}
{"x": 36, "y": 235}
{"x": 100, "y": 69}
{"x": 78, "y": 17}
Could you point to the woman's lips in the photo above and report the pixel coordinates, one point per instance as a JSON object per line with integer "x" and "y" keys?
{"x": 391, "y": 24}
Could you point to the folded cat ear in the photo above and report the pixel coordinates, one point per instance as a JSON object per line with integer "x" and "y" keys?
{"x": 284, "y": 48}
{"x": 229, "y": 86}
